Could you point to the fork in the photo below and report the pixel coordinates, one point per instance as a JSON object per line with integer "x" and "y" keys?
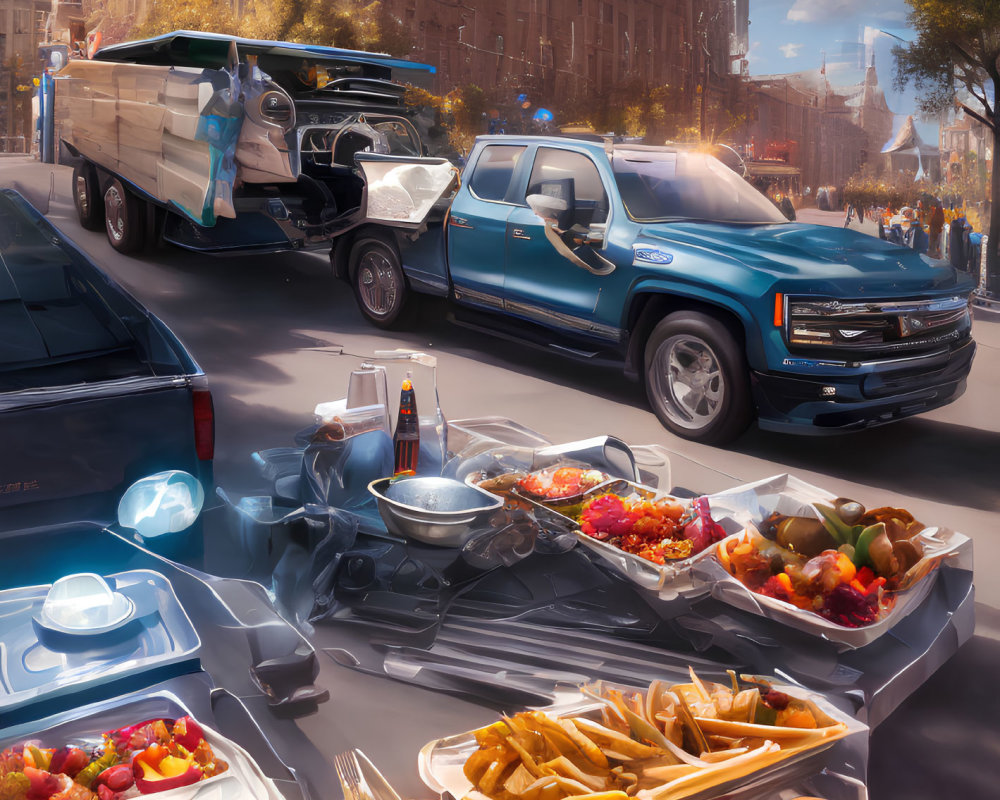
{"x": 351, "y": 780}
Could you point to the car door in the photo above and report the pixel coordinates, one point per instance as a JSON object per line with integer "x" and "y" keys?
{"x": 477, "y": 226}
{"x": 551, "y": 286}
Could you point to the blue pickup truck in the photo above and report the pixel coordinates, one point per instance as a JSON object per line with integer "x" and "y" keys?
{"x": 667, "y": 261}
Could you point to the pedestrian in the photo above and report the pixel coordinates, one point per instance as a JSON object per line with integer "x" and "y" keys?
{"x": 918, "y": 237}
{"x": 787, "y": 208}
{"x": 935, "y": 228}
{"x": 956, "y": 243}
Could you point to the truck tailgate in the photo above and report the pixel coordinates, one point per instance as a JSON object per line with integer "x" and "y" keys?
{"x": 78, "y": 448}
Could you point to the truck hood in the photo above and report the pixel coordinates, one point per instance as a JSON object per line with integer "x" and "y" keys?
{"x": 817, "y": 258}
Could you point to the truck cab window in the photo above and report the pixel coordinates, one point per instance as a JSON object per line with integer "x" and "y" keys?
{"x": 494, "y": 170}
{"x": 574, "y": 178}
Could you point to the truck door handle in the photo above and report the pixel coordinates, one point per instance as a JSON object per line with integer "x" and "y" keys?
{"x": 519, "y": 233}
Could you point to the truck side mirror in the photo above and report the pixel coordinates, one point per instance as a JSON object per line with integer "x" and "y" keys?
{"x": 547, "y": 207}
{"x": 596, "y": 233}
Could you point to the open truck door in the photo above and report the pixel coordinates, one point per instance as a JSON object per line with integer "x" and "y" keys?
{"x": 401, "y": 191}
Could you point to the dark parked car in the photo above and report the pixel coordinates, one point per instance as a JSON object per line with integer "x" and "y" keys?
{"x": 95, "y": 391}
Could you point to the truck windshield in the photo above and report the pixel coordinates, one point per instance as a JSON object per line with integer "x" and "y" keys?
{"x": 671, "y": 186}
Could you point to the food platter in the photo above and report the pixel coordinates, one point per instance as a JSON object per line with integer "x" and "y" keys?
{"x": 607, "y": 762}
{"x": 940, "y": 544}
{"x": 156, "y": 633}
{"x": 661, "y": 570}
{"x": 789, "y": 496}
{"x": 184, "y": 758}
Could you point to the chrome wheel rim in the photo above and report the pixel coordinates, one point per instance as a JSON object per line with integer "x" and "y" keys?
{"x": 688, "y": 381}
{"x": 81, "y": 195}
{"x": 114, "y": 213}
{"x": 377, "y": 283}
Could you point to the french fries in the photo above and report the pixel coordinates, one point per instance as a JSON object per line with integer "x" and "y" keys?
{"x": 663, "y": 744}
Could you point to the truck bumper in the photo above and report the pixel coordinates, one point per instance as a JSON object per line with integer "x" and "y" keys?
{"x": 882, "y": 393}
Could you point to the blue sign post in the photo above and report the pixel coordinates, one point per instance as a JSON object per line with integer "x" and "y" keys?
{"x": 46, "y": 117}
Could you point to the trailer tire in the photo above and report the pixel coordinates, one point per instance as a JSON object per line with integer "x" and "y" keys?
{"x": 697, "y": 378}
{"x": 124, "y": 218}
{"x": 378, "y": 281}
{"x": 87, "y": 196}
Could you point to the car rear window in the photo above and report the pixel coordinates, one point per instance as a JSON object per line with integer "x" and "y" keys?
{"x": 61, "y": 321}
{"x": 494, "y": 170}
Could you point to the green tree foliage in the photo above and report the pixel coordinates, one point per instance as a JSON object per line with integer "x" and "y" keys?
{"x": 955, "y": 59}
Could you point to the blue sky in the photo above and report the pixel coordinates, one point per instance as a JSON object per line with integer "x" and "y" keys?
{"x": 792, "y": 35}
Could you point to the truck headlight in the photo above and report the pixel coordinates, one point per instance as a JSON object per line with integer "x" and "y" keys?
{"x": 830, "y": 323}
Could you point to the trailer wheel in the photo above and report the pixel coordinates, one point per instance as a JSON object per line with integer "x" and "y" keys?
{"x": 697, "y": 379}
{"x": 379, "y": 284}
{"x": 124, "y": 220}
{"x": 87, "y": 196}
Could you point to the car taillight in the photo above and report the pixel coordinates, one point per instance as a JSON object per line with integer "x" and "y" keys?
{"x": 204, "y": 424}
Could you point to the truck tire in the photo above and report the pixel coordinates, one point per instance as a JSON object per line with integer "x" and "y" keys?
{"x": 87, "y": 196}
{"x": 124, "y": 218}
{"x": 697, "y": 379}
{"x": 378, "y": 281}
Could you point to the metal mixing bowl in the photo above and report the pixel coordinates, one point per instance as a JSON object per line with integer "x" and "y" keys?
{"x": 433, "y": 510}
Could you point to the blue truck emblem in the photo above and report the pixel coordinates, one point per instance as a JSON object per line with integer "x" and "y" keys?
{"x": 650, "y": 255}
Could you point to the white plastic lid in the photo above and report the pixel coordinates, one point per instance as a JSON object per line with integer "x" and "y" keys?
{"x": 167, "y": 502}
{"x": 84, "y": 603}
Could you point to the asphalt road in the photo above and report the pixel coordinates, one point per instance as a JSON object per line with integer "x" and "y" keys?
{"x": 277, "y": 335}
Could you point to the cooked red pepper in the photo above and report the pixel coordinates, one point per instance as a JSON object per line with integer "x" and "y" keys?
{"x": 117, "y": 778}
{"x": 68, "y": 761}
{"x": 187, "y": 733}
{"x": 44, "y": 785}
{"x": 155, "y": 770}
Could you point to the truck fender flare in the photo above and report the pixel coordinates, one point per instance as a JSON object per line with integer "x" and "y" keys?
{"x": 650, "y": 306}
{"x": 382, "y": 233}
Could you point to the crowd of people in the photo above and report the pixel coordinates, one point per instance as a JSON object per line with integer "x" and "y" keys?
{"x": 929, "y": 227}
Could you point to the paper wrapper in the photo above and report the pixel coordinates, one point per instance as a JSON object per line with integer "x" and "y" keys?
{"x": 788, "y": 495}
{"x": 441, "y": 761}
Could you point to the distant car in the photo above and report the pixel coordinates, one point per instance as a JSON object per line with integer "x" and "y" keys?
{"x": 95, "y": 391}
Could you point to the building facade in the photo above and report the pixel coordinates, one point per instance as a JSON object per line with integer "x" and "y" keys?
{"x": 22, "y": 24}
{"x": 800, "y": 126}
{"x": 558, "y": 50}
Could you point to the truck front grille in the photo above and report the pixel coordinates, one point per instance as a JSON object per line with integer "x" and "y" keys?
{"x": 875, "y": 328}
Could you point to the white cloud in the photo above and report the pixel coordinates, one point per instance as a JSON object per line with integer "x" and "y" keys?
{"x": 884, "y": 11}
{"x": 790, "y": 50}
{"x": 753, "y": 53}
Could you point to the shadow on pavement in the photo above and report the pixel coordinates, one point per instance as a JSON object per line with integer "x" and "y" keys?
{"x": 923, "y": 457}
{"x": 944, "y": 740}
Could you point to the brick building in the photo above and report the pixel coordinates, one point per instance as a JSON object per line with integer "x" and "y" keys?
{"x": 563, "y": 50}
{"x": 804, "y": 131}
{"x": 22, "y": 25}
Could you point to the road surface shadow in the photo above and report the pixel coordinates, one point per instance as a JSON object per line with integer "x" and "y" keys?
{"x": 939, "y": 461}
{"x": 944, "y": 740}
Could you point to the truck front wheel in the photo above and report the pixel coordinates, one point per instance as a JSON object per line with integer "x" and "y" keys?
{"x": 697, "y": 379}
{"x": 123, "y": 218}
{"x": 378, "y": 280}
